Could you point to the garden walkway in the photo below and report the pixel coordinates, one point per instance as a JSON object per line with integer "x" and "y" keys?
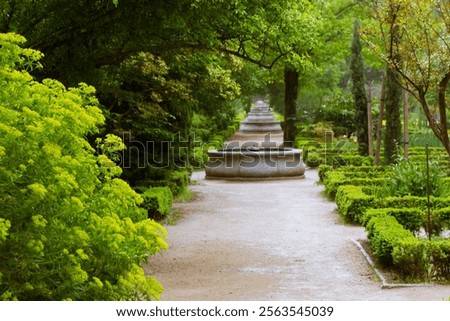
{"x": 268, "y": 240}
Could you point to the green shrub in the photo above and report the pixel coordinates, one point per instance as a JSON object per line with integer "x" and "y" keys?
{"x": 316, "y": 156}
{"x": 423, "y": 259}
{"x": 364, "y": 169}
{"x": 216, "y": 142}
{"x": 157, "y": 202}
{"x": 440, "y": 220}
{"x": 69, "y": 228}
{"x": 323, "y": 171}
{"x": 384, "y": 233}
{"x": 336, "y": 179}
{"x": 358, "y": 160}
{"x": 371, "y": 213}
{"x": 403, "y": 202}
{"x": 178, "y": 181}
{"x": 440, "y": 202}
{"x": 200, "y": 156}
{"x": 332, "y": 181}
{"x": 410, "y": 258}
{"x": 439, "y": 258}
{"x": 352, "y": 202}
{"x": 409, "y": 178}
{"x": 312, "y": 158}
{"x": 411, "y": 219}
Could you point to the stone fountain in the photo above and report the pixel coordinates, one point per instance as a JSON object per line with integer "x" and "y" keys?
{"x": 256, "y": 151}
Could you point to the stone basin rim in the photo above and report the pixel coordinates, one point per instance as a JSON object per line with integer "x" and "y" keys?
{"x": 256, "y": 151}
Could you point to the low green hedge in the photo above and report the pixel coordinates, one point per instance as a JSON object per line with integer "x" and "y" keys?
{"x": 323, "y": 171}
{"x": 385, "y": 233}
{"x": 352, "y": 202}
{"x": 411, "y": 219}
{"x": 334, "y": 179}
{"x": 315, "y": 156}
{"x": 421, "y": 258}
{"x": 157, "y": 202}
{"x": 364, "y": 169}
{"x": 354, "y": 171}
{"x": 440, "y": 220}
{"x": 412, "y": 257}
{"x": 438, "y": 252}
{"x": 178, "y": 181}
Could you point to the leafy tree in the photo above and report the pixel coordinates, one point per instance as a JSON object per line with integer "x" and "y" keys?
{"x": 88, "y": 40}
{"x": 154, "y": 65}
{"x": 69, "y": 228}
{"x": 420, "y": 56}
{"x": 359, "y": 92}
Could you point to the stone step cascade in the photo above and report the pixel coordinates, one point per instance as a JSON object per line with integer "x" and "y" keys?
{"x": 256, "y": 151}
{"x": 259, "y": 129}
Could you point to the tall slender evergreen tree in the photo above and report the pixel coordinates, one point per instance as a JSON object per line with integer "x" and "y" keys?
{"x": 359, "y": 92}
{"x": 392, "y": 103}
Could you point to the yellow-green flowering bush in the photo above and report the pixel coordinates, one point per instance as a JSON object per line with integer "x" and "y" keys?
{"x": 69, "y": 228}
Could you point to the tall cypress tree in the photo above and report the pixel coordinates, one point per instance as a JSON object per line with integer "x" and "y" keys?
{"x": 359, "y": 92}
{"x": 392, "y": 105}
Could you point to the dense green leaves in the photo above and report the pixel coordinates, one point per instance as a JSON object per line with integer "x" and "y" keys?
{"x": 69, "y": 229}
{"x": 410, "y": 178}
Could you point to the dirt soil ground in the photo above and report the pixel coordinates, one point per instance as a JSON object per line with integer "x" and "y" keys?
{"x": 268, "y": 240}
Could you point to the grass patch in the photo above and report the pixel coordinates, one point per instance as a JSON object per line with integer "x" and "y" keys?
{"x": 174, "y": 216}
{"x": 185, "y": 195}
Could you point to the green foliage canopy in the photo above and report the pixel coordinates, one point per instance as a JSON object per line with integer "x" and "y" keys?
{"x": 413, "y": 38}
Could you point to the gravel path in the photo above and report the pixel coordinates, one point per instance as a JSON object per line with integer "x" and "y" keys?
{"x": 268, "y": 240}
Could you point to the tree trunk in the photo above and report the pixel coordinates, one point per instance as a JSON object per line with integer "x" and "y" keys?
{"x": 290, "y": 105}
{"x": 359, "y": 92}
{"x": 443, "y": 112}
{"x": 380, "y": 122}
{"x": 369, "y": 118}
{"x": 405, "y": 124}
{"x": 439, "y": 128}
{"x": 393, "y": 100}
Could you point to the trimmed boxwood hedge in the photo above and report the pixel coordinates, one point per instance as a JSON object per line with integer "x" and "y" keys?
{"x": 157, "y": 202}
{"x": 314, "y": 157}
{"x": 333, "y": 180}
{"x": 392, "y": 221}
{"x": 411, "y": 219}
{"x": 412, "y": 257}
{"x": 351, "y": 175}
{"x": 384, "y": 233}
{"x": 440, "y": 219}
{"x": 178, "y": 181}
{"x": 352, "y": 202}
{"x": 323, "y": 171}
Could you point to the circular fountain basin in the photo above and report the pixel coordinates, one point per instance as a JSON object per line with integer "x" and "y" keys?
{"x": 258, "y": 163}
